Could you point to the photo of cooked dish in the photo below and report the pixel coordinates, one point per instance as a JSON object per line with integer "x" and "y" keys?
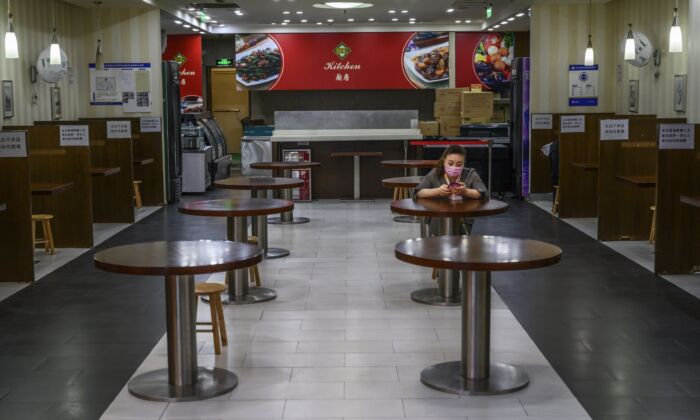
{"x": 258, "y": 60}
{"x": 427, "y": 58}
{"x": 492, "y": 59}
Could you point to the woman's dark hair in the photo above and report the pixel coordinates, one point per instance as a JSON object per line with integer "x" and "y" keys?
{"x": 453, "y": 149}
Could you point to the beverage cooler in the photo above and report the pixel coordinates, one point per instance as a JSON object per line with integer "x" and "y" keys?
{"x": 302, "y": 193}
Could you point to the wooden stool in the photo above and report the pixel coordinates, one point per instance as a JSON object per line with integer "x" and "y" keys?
{"x": 137, "y": 194}
{"x": 218, "y": 325}
{"x": 253, "y": 272}
{"x": 555, "y": 203}
{"x": 356, "y": 170}
{"x": 652, "y": 231}
{"x": 401, "y": 193}
{"x": 47, "y": 239}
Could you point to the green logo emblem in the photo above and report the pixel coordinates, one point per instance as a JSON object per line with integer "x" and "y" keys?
{"x": 342, "y": 51}
{"x": 180, "y": 58}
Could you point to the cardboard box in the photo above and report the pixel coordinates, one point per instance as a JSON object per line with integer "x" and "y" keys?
{"x": 429, "y": 128}
{"x": 450, "y": 95}
{"x": 449, "y": 126}
{"x": 477, "y": 88}
{"x": 447, "y": 109}
{"x": 477, "y": 105}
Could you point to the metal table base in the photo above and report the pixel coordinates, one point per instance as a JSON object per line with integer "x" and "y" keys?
{"x": 409, "y": 219}
{"x": 287, "y": 218}
{"x": 260, "y": 230}
{"x": 474, "y": 374}
{"x": 447, "y": 291}
{"x": 183, "y": 380}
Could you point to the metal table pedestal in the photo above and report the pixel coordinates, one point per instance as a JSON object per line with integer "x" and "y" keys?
{"x": 260, "y": 230}
{"x": 405, "y": 218}
{"x": 287, "y": 218}
{"x": 474, "y": 374}
{"x": 182, "y": 380}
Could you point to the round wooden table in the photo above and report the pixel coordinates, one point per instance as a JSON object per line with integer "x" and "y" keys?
{"x": 411, "y": 164}
{"x": 450, "y": 214}
{"x": 178, "y": 262}
{"x": 475, "y": 257}
{"x": 287, "y": 218}
{"x": 403, "y": 183}
{"x": 236, "y": 213}
{"x": 258, "y": 185}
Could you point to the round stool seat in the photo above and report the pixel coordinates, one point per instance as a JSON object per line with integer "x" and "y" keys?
{"x": 208, "y": 288}
{"x": 38, "y": 217}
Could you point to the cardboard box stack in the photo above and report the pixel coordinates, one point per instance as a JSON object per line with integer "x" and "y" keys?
{"x": 448, "y": 110}
{"x": 477, "y": 107}
{"x": 429, "y": 128}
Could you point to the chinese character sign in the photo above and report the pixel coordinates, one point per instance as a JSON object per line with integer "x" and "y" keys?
{"x": 118, "y": 129}
{"x": 573, "y": 124}
{"x": 614, "y": 129}
{"x": 74, "y": 135}
{"x": 13, "y": 144}
{"x": 676, "y": 136}
{"x": 541, "y": 121}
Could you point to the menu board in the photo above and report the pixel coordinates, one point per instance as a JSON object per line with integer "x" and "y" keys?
{"x": 573, "y": 124}
{"x": 676, "y": 136}
{"x": 614, "y": 129}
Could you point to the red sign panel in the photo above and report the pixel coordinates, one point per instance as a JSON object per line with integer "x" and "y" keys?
{"x": 484, "y": 58}
{"x": 187, "y": 51}
{"x": 333, "y": 61}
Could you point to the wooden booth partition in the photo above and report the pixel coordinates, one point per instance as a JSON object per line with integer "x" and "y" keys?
{"x": 16, "y": 246}
{"x": 578, "y": 169}
{"x": 60, "y": 184}
{"x": 627, "y": 181}
{"x": 148, "y": 159}
{"x": 677, "y": 245}
{"x": 540, "y": 166}
{"x": 113, "y": 194}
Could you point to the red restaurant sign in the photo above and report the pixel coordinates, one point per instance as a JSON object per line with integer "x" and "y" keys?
{"x": 187, "y": 51}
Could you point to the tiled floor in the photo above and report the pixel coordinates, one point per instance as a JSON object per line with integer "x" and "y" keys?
{"x": 344, "y": 340}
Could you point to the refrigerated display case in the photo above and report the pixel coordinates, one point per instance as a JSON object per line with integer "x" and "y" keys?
{"x": 302, "y": 193}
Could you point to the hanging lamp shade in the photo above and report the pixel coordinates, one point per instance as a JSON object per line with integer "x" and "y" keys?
{"x": 589, "y": 58}
{"x": 630, "y": 53}
{"x": 11, "y": 46}
{"x": 99, "y": 57}
{"x": 55, "y": 51}
{"x": 675, "y": 37}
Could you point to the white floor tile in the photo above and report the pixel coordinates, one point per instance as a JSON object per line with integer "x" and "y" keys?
{"x": 345, "y": 408}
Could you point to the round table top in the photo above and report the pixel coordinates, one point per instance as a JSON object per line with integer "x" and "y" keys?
{"x": 444, "y": 207}
{"x": 411, "y": 163}
{"x": 477, "y": 253}
{"x": 284, "y": 165}
{"x": 236, "y": 207}
{"x": 402, "y": 182}
{"x": 258, "y": 183}
{"x": 178, "y": 258}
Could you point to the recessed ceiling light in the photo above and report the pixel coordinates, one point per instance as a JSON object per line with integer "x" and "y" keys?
{"x": 412, "y": 22}
{"x": 391, "y": 12}
{"x": 342, "y": 5}
{"x": 404, "y": 11}
{"x": 274, "y": 23}
{"x": 191, "y": 9}
{"x": 490, "y": 29}
{"x": 283, "y": 23}
{"x": 221, "y": 24}
{"x": 304, "y": 21}
{"x": 286, "y": 21}
{"x": 319, "y": 23}
{"x": 195, "y": 30}
{"x": 521, "y": 14}
{"x": 213, "y": 21}
{"x": 238, "y": 12}
{"x": 329, "y": 20}
{"x": 299, "y": 12}
{"x": 177, "y": 22}
{"x": 496, "y": 26}
{"x": 505, "y": 22}
{"x": 450, "y": 10}
{"x": 186, "y": 26}
{"x": 351, "y": 20}
{"x": 286, "y": 12}
{"x": 510, "y": 19}
{"x": 394, "y": 19}
{"x": 458, "y": 21}
{"x": 467, "y": 21}
{"x": 371, "y": 19}
{"x": 411, "y": 18}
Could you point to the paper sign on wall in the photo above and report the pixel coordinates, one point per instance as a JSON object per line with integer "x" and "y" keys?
{"x": 118, "y": 129}
{"x": 13, "y": 144}
{"x": 541, "y": 121}
{"x": 74, "y": 135}
{"x": 573, "y": 124}
{"x": 150, "y": 125}
{"x": 614, "y": 129}
{"x": 125, "y": 84}
{"x": 677, "y": 136}
{"x": 583, "y": 85}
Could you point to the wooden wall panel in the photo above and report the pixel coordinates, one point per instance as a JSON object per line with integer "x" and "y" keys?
{"x": 677, "y": 246}
{"x": 16, "y": 256}
{"x": 149, "y": 146}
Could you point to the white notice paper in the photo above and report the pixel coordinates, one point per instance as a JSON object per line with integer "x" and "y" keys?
{"x": 541, "y": 121}
{"x": 573, "y": 124}
{"x": 118, "y": 129}
{"x": 150, "y": 125}
{"x": 676, "y": 136}
{"x": 614, "y": 129}
{"x": 13, "y": 144}
{"x": 75, "y": 135}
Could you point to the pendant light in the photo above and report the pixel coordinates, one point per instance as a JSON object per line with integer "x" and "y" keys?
{"x": 629, "y": 45}
{"x": 588, "y": 58}
{"x": 99, "y": 58}
{"x": 675, "y": 38}
{"x": 11, "y": 48}
{"x": 55, "y": 51}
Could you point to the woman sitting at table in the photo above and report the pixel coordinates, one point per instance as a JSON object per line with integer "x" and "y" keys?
{"x": 451, "y": 178}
